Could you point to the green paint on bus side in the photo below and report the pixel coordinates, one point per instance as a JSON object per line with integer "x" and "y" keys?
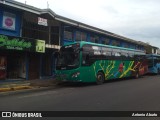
{"x": 111, "y": 70}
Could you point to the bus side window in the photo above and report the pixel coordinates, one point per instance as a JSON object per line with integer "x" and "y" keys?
{"x": 113, "y": 53}
{"x": 124, "y": 55}
{"x": 116, "y": 55}
{"x": 131, "y": 55}
{"x": 87, "y": 49}
{"x": 85, "y": 58}
{"x": 91, "y": 54}
{"x": 106, "y": 53}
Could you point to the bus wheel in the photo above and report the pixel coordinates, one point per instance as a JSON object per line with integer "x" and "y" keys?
{"x": 100, "y": 78}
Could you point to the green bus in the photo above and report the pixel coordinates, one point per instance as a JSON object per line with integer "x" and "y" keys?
{"x": 92, "y": 62}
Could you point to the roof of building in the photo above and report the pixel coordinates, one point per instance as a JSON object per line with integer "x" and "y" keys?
{"x": 39, "y": 11}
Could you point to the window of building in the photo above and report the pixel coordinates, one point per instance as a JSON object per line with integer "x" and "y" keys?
{"x": 115, "y": 43}
{"x": 84, "y": 36}
{"x": 155, "y": 51}
{"x": 103, "y": 42}
{"x": 138, "y": 47}
{"x": 35, "y": 31}
{"x": 68, "y": 33}
{"x": 126, "y": 45}
{"x": 81, "y": 36}
{"x": 78, "y": 36}
{"x": 132, "y": 46}
{"x": 55, "y": 35}
{"x": 94, "y": 39}
{"x": 106, "y": 41}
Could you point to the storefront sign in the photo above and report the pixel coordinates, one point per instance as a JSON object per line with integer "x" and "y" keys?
{"x": 40, "y": 46}
{"x": 42, "y": 21}
{"x": 14, "y": 43}
{"x": 19, "y": 43}
{"x": 9, "y": 21}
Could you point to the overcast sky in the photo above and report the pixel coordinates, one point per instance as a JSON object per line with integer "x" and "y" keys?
{"x": 135, "y": 19}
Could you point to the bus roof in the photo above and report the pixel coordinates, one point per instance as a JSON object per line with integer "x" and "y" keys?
{"x": 102, "y": 45}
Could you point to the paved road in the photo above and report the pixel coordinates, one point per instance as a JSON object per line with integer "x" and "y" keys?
{"x": 141, "y": 94}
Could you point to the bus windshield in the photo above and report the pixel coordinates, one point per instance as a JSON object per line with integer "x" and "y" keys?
{"x": 68, "y": 58}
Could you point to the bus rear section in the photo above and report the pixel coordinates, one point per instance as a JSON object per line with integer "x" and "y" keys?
{"x": 140, "y": 65}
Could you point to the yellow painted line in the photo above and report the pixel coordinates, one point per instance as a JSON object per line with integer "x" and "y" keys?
{"x": 15, "y": 88}
{"x": 5, "y": 89}
{"x": 21, "y": 87}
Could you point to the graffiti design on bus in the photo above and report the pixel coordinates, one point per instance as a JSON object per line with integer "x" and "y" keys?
{"x": 91, "y": 62}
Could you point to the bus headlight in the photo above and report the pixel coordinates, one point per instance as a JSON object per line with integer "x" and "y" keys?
{"x": 75, "y": 74}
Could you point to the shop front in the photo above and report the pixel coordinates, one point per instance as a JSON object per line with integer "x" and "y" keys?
{"x": 19, "y": 57}
{"x": 13, "y": 64}
{"x": 48, "y": 64}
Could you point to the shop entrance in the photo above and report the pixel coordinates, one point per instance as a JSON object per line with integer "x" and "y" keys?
{"x": 47, "y": 65}
{"x": 34, "y": 66}
{"x": 12, "y": 65}
{"x": 16, "y": 67}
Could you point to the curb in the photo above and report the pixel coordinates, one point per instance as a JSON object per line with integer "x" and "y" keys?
{"x": 27, "y": 91}
{"x": 15, "y": 88}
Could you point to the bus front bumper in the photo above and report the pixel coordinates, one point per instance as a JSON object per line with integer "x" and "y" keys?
{"x": 74, "y": 77}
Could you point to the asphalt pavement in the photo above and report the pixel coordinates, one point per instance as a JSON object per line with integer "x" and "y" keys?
{"x": 117, "y": 95}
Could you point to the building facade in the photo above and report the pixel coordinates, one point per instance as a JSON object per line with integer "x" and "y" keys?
{"x": 29, "y": 37}
{"x": 151, "y": 49}
{"x": 27, "y": 42}
{"x": 73, "y": 34}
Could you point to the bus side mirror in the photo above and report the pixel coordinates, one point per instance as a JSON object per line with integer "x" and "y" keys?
{"x": 56, "y": 54}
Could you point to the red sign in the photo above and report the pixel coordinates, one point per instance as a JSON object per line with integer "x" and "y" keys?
{"x": 9, "y": 21}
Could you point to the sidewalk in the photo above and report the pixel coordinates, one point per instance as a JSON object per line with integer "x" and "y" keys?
{"x": 14, "y": 85}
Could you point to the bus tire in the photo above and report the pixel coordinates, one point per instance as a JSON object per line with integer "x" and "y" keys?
{"x": 100, "y": 78}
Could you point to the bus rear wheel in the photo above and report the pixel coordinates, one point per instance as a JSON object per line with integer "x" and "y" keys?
{"x": 100, "y": 78}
